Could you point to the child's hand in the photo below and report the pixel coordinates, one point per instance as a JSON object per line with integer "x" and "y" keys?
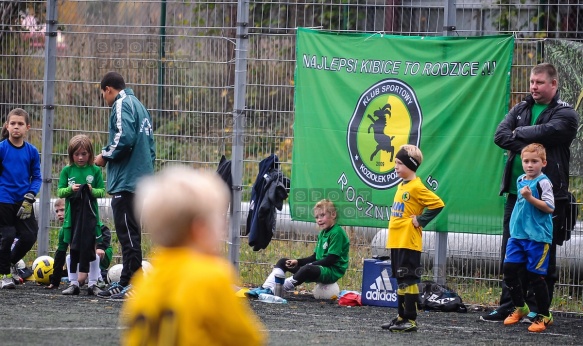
{"x": 526, "y": 192}
{"x": 415, "y": 222}
{"x": 291, "y": 263}
{"x": 90, "y": 187}
{"x": 100, "y": 253}
{"x": 75, "y": 187}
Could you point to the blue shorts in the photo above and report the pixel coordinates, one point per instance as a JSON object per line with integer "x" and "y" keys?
{"x": 535, "y": 254}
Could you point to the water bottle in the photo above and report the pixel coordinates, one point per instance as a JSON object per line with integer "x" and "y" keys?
{"x": 270, "y": 298}
{"x": 278, "y": 290}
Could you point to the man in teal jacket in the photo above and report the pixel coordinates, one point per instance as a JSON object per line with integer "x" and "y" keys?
{"x": 128, "y": 156}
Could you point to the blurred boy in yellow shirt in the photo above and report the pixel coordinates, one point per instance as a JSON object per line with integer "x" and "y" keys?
{"x": 188, "y": 297}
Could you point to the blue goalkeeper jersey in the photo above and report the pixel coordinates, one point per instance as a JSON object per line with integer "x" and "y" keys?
{"x": 19, "y": 171}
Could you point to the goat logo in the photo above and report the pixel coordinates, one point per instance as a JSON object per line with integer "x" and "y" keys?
{"x": 378, "y": 126}
{"x": 386, "y": 116}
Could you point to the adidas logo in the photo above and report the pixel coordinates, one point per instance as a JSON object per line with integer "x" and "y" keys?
{"x": 382, "y": 288}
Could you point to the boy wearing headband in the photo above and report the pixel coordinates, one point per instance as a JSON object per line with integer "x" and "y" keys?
{"x": 413, "y": 208}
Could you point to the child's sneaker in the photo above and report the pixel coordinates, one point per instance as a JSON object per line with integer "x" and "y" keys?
{"x": 404, "y": 326}
{"x": 72, "y": 290}
{"x": 15, "y": 275}
{"x": 124, "y": 294}
{"x": 114, "y": 288}
{"x": 93, "y": 290}
{"x": 517, "y": 315}
{"x": 7, "y": 282}
{"x": 494, "y": 316}
{"x": 391, "y": 323}
{"x": 101, "y": 284}
{"x": 541, "y": 322}
{"x": 529, "y": 318}
{"x": 254, "y": 293}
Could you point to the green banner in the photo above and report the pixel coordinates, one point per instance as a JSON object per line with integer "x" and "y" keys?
{"x": 359, "y": 97}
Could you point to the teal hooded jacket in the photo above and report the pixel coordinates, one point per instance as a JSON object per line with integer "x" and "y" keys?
{"x": 130, "y": 152}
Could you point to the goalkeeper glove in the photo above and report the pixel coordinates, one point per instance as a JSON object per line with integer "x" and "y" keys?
{"x": 25, "y": 210}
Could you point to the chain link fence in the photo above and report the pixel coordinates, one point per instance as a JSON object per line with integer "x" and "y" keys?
{"x": 179, "y": 57}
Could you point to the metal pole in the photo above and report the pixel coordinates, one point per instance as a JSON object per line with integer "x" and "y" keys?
{"x": 47, "y": 127}
{"x": 241, "y": 47}
{"x": 162, "y": 58}
{"x": 440, "y": 261}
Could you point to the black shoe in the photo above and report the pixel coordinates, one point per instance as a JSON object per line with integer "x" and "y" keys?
{"x": 93, "y": 290}
{"x": 494, "y": 316}
{"x": 391, "y": 323}
{"x": 72, "y": 290}
{"x": 404, "y": 326}
{"x": 114, "y": 288}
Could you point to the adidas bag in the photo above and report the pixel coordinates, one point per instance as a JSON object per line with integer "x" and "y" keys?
{"x": 436, "y": 297}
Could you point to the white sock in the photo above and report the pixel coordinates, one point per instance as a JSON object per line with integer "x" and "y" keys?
{"x": 270, "y": 281}
{"x": 73, "y": 277}
{"x": 94, "y": 272}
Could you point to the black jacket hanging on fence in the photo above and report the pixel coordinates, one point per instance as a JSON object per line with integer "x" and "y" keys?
{"x": 269, "y": 191}
{"x": 83, "y": 224}
{"x": 224, "y": 170}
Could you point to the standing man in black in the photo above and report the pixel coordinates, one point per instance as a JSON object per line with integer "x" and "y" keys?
{"x": 128, "y": 156}
{"x": 541, "y": 118}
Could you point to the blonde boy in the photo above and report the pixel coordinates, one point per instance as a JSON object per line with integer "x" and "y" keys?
{"x": 187, "y": 298}
{"x": 414, "y": 206}
{"x": 531, "y": 235}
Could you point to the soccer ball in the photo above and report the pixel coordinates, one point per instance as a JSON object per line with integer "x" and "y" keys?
{"x": 114, "y": 273}
{"x": 378, "y": 245}
{"x": 41, "y": 258}
{"x": 146, "y": 267}
{"x": 42, "y": 269}
{"x": 326, "y": 291}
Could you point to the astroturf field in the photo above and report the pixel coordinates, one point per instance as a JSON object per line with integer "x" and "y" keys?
{"x": 31, "y": 315}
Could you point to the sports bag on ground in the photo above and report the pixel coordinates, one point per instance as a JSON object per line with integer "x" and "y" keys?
{"x": 436, "y": 297}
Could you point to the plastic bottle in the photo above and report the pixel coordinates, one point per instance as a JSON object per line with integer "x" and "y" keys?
{"x": 270, "y": 298}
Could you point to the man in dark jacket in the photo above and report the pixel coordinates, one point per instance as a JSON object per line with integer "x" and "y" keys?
{"x": 541, "y": 118}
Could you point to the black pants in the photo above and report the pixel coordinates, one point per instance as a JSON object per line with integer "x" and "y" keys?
{"x": 308, "y": 272}
{"x": 58, "y": 265}
{"x": 12, "y": 227}
{"x": 506, "y": 305}
{"x": 129, "y": 234}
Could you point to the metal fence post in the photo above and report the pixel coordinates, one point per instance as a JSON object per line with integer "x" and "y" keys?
{"x": 241, "y": 46}
{"x": 47, "y": 127}
{"x": 440, "y": 261}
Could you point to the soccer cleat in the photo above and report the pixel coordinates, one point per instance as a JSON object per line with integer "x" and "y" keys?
{"x": 124, "y": 294}
{"x": 494, "y": 316}
{"x": 517, "y": 315}
{"x": 403, "y": 325}
{"x": 388, "y": 325}
{"x": 529, "y": 318}
{"x": 93, "y": 290}
{"x": 254, "y": 293}
{"x": 16, "y": 275}
{"x": 114, "y": 288}
{"x": 72, "y": 290}
{"x": 541, "y": 322}
{"x": 101, "y": 284}
{"x": 7, "y": 282}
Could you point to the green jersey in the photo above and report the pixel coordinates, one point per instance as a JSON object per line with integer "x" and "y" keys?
{"x": 334, "y": 241}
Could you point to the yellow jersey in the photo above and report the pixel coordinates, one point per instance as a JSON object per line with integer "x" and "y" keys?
{"x": 411, "y": 199}
{"x": 188, "y": 298}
